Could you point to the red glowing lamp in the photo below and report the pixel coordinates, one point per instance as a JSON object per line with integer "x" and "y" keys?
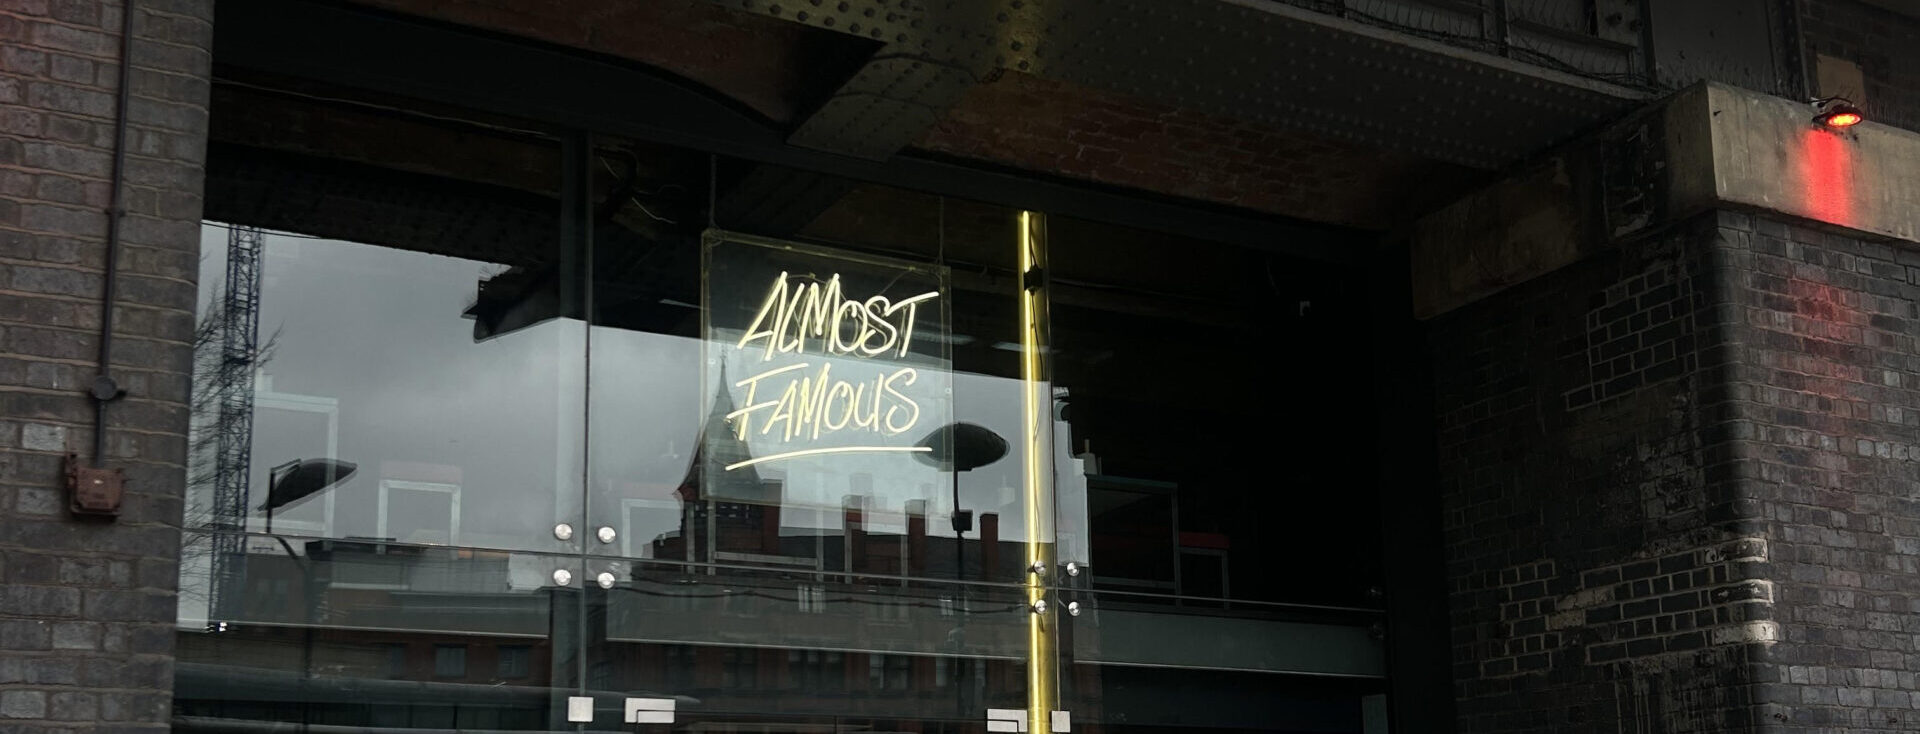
{"x": 1837, "y": 112}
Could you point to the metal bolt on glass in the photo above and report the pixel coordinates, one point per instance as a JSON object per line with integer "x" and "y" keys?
{"x": 1073, "y": 608}
{"x": 605, "y": 580}
{"x": 1073, "y": 569}
{"x": 563, "y": 531}
{"x": 606, "y": 534}
{"x": 1039, "y": 568}
{"x": 562, "y": 577}
{"x": 1040, "y": 606}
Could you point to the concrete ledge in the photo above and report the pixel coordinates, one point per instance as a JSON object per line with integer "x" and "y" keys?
{"x": 1768, "y": 154}
{"x": 1710, "y": 146}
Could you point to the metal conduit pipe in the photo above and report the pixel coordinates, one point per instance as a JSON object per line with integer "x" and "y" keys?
{"x": 105, "y": 390}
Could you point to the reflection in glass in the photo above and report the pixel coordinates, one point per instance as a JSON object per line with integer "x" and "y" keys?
{"x": 829, "y": 453}
{"x": 771, "y": 425}
{"x": 373, "y": 365}
{"x": 386, "y": 426}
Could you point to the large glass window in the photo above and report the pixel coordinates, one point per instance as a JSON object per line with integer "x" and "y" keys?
{"x": 497, "y": 429}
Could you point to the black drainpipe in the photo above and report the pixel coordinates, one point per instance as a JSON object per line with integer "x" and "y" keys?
{"x": 105, "y": 390}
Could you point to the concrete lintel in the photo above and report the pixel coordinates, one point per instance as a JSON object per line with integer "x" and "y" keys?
{"x": 1710, "y": 146}
{"x": 1767, "y": 154}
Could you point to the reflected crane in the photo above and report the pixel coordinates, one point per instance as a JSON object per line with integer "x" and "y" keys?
{"x": 233, "y": 431}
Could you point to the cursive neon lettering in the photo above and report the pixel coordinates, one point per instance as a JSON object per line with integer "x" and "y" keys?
{"x": 799, "y": 314}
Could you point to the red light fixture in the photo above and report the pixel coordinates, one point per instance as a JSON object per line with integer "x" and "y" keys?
{"x": 1837, "y": 112}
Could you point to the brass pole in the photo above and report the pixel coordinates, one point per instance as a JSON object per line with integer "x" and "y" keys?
{"x": 1042, "y": 661}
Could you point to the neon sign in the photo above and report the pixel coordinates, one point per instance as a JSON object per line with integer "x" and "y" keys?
{"x": 820, "y": 361}
{"x": 797, "y": 312}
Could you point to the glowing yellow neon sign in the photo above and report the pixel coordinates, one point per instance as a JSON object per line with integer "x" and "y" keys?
{"x": 803, "y": 401}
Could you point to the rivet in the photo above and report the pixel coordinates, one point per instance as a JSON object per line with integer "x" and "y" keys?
{"x": 802, "y": 15}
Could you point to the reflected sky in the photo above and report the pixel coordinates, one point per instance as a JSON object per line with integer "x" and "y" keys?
{"x": 374, "y": 362}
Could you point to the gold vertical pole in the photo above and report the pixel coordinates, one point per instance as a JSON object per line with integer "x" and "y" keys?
{"x": 1042, "y": 665}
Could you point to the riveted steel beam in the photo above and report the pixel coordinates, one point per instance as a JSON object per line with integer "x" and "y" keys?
{"x": 1249, "y": 59}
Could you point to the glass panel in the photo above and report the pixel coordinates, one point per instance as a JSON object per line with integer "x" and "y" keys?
{"x": 1144, "y": 662}
{"x": 390, "y": 345}
{"x": 372, "y": 370}
{"x": 354, "y": 634}
{"x": 387, "y": 424}
{"x": 807, "y": 453}
{"x": 1228, "y": 552}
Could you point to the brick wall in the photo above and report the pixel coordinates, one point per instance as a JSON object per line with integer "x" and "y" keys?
{"x": 1040, "y": 124}
{"x": 1885, "y": 45}
{"x": 1828, "y": 392}
{"x": 1679, "y": 484}
{"x": 1602, "y": 575}
{"x": 86, "y": 608}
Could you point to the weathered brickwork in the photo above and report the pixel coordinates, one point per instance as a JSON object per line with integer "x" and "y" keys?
{"x": 1601, "y": 571}
{"x": 1827, "y": 388}
{"x": 86, "y": 608}
{"x": 1041, "y": 124}
{"x": 1730, "y": 543}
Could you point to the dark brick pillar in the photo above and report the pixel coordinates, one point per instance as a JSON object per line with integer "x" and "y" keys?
{"x": 1828, "y": 394}
{"x": 87, "y": 608}
{"x": 1607, "y": 573}
{"x": 1682, "y": 486}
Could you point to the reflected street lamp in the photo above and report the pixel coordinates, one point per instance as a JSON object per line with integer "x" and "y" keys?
{"x": 959, "y": 447}
{"x": 300, "y": 479}
{"x": 290, "y": 484}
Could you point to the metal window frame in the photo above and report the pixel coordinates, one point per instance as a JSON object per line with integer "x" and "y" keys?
{"x": 451, "y": 490}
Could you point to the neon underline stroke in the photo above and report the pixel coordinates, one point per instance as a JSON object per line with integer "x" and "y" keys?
{"x": 831, "y": 450}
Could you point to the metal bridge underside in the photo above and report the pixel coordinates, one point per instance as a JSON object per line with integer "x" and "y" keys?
{"x": 1248, "y": 59}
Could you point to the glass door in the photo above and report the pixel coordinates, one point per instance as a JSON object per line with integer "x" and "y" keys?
{"x": 808, "y": 493}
